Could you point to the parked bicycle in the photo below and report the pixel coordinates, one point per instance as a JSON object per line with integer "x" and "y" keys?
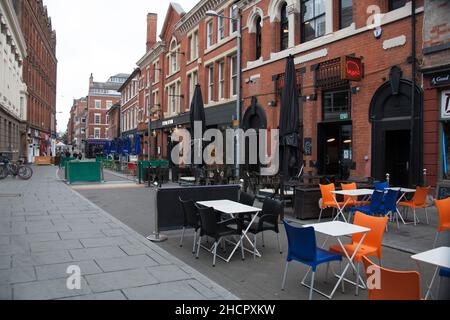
{"x": 15, "y": 169}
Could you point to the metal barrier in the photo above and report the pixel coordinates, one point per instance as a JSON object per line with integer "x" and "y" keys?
{"x": 65, "y": 160}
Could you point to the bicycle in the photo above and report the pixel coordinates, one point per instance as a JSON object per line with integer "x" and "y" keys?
{"x": 8, "y": 168}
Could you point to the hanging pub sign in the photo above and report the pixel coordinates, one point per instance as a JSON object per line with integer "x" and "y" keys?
{"x": 351, "y": 68}
{"x": 445, "y": 104}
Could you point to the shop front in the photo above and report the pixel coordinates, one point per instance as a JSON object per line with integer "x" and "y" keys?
{"x": 444, "y": 183}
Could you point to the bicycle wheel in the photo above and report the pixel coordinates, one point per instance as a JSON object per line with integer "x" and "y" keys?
{"x": 25, "y": 173}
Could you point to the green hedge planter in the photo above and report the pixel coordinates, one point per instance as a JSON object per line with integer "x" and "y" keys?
{"x": 154, "y": 163}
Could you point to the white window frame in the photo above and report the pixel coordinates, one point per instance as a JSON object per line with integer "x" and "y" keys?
{"x": 233, "y": 76}
{"x": 98, "y": 102}
{"x": 209, "y": 33}
{"x": 220, "y": 27}
{"x": 210, "y": 83}
{"x": 221, "y": 79}
{"x": 99, "y": 130}
{"x": 99, "y": 115}
{"x": 233, "y": 22}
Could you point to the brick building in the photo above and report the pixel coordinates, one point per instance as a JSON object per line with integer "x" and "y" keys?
{"x": 76, "y": 128}
{"x": 193, "y": 49}
{"x": 359, "y": 128}
{"x": 13, "y": 90}
{"x": 113, "y": 115}
{"x": 436, "y": 83}
{"x": 102, "y": 96}
{"x": 39, "y": 73}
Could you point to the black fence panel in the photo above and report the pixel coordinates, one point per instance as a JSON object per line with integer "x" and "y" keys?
{"x": 170, "y": 214}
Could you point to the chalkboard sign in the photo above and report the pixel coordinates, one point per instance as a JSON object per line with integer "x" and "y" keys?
{"x": 443, "y": 191}
{"x": 307, "y": 147}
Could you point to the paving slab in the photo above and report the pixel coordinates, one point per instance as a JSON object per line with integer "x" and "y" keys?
{"x": 124, "y": 263}
{"x": 173, "y": 291}
{"x": 48, "y": 290}
{"x": 120, "y": 280}
{"x": 57, "y": 271}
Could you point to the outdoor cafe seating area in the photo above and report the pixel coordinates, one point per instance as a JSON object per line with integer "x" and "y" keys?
{"x": 354, "y": 234}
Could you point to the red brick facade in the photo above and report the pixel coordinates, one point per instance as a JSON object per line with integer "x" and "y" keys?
{"x": 39, "y": 71}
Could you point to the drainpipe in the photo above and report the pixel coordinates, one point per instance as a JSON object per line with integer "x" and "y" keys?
{"x": 412, "y": 167}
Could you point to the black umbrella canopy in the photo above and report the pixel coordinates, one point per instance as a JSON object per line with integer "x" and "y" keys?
{"x": 197, "y": 114}
{"x": 289, "y": 122}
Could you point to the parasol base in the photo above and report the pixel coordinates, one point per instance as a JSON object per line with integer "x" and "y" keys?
{"x": 157, "y": 237}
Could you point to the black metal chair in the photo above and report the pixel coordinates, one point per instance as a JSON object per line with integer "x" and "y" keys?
{"x": 268, "y": 220}
{"x": 211, "y": 227}
{"x": 191, "y": 220}
{"x": 248, "y": 200}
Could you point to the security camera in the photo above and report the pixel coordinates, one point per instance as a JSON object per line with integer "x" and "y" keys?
{"x": 250, "y": 81}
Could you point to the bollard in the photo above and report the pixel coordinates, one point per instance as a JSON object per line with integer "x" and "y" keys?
{"x": 388, "y": 178}
{"x": 156, "y": 236}
{"x": 425, "y": 177}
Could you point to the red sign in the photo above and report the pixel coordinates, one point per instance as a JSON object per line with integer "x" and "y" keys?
{"x": 351, "y": 68}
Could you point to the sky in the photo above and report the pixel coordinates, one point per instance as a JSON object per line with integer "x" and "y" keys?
{"x": 103, "y": 37}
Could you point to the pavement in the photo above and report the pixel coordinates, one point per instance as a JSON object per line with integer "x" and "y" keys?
{"x": 260, "y": 279}
{"x": 46, "y": 227}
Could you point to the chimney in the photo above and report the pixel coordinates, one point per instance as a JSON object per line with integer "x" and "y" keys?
{"x": 91, "y": 80}
{"x": 152, "y": 25}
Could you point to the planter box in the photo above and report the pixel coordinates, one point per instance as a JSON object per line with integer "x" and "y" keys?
{"x": 306, "y": 204}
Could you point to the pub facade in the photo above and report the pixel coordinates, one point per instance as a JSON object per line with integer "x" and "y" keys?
{"x": 354, "y": 72}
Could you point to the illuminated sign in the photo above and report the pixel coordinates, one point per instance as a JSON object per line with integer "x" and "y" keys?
{"x": 351, "y": 68}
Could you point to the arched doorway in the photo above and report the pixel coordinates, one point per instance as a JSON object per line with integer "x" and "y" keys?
{"x": 390, "y": 115}
{"x": 254, "y": 118}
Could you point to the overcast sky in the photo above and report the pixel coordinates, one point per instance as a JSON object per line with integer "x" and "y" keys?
{"x": 103, "y": 37}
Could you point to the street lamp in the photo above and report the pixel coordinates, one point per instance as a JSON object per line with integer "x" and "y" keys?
{"x": 212, "y": 13}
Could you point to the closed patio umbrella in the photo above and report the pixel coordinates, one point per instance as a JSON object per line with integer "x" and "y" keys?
{"x": 119, "y": 146}
{"x": 113, "y": 147}
{"x": 197, "y": 114}
{"x": 107, "y": 149}
{"x": 289, "y": 123}
{"x": 126, "y": 146}
{"x": 137, "y": 144}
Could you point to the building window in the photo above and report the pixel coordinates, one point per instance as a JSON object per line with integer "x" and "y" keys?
{"x": 193, "y": 80}
{"x": 284, "y": 28}
{"x": 172, "y": 99}
{"x": 98, "y": 118}
{"x": 233, "y": 75}
{"x": 337, "y": 105}
{"x": 210, "y": 83}
{"x": 209, "y": 34}
{"x": 258, "y": 38}
{"x": 396, "y": 4}
{"x": 345, "y": 13}
{"x": 83, "y": 130}
{"x": 221, "y": 26}
{"x": 233, "y": 15}
{"x": 109, "y": 104}
{"x": 221, "y": 80}
{"x": 83, "y": 120}
{"x": 173, "y": 57}
{"x": 156, "y": 71}
{"x": 313, "y": 19}
{"x": 193, "y": 42}
{"x": 446, "y": 151}
{"x": 107, "y": 119}
{"x": 96, "y": 133}
{"x": 98, "y": 104}
{"x": 156, "y": 99}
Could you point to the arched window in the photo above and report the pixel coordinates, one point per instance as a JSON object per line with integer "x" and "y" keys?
{"x": 173, "y": 56}
{"x": 284, "y": 28}
{"x": 258, "y": 38}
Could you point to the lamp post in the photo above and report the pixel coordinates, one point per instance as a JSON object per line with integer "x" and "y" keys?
{"x": 212, "y": 13}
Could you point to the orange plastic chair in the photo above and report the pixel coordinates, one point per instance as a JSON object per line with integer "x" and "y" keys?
{"x": 353, "y": 200}
{"x": 443, "y": 208}
{"x": 419, "y": 201}
{"x": 328, "y": 198}
{"x": 393, "y": 285}
{"x": 372, "y": 244}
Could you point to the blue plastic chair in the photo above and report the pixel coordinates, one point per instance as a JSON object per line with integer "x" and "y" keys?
{"x": 381, "y": 186}
{"x": 444, "y": 272}
{"x": 375, "y": 206}
{"x": 303, "y": 248}
{"x": 389, "y": 205}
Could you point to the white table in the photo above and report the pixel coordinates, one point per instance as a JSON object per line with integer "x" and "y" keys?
{"x": 338, "y": 229}
{"x": 234, "y": 208}
{"x": 351, "y": 194}
{"x": 404, "y": 192}
{"x": 439, "y": 257}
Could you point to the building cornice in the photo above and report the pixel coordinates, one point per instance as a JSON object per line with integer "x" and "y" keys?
{"x": 196, "y": 14}
{"x": 152, "y": 54}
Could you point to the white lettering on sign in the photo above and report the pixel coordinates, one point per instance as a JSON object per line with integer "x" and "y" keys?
{"x": 445, "y": 104}
{"x": 167, "y": 122}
